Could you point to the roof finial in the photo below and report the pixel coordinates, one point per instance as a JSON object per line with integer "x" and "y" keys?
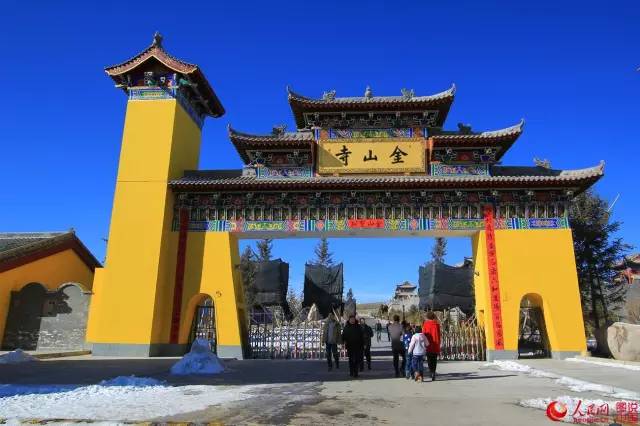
{"x": 368, "y": 93}
{"x": 157, "y": 39}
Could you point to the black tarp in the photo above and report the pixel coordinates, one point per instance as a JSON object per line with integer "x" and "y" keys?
{"x": 323, "y": 286}
{"x": 444, "y": 287}
{"x": 271, "y": 283}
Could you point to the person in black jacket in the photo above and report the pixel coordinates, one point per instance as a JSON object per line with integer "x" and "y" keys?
{"x": 367, "y": 333}
{"x": 353, "y": 340}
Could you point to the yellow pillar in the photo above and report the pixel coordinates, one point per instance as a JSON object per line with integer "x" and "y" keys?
{"x": 131, "y": 309}
{"x": 212, "y": 269}
{"x": 541, "y": 264}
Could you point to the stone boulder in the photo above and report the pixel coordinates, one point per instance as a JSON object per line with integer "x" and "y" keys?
{"x": 624, "y": 341}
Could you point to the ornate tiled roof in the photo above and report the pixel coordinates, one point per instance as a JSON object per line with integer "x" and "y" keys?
{"x": 506, "y": 177}
{"x": 369, "y": 103}
{"x": 274, "y": 138}
{"x": 329, "y": 98}
{"x": 278, "y": 139}
{"x": 191, "y": 71}
{"x": 507, "y": 133}
{"x": 19, "y": 248}
{"x": 13, "y": 240}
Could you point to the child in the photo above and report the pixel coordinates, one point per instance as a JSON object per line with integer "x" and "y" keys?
{"x": 406, "y": 339}
{"x": 418, "y": 349}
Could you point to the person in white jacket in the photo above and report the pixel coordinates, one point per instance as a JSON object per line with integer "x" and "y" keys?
{"x": 418, "y": 349}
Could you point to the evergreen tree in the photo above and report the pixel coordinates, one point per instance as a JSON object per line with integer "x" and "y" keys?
{"x": 295, "y": 302}
{"x": 596, "y": 249}
{"x": 323, "y": 256}
{"x": 439, "y": 249}
{"x": 248, "y": 270}
{"x": 264, "y": 249}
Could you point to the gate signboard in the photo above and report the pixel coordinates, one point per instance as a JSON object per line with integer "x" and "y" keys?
{"x": 371, "y": 156}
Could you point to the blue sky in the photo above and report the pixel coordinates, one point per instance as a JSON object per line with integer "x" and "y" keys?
{"x": 568, "y": 68}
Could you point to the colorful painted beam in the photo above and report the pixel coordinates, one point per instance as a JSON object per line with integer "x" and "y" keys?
{"x": 373, "y": 224}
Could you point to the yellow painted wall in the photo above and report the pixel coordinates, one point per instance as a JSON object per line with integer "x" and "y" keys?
{"x": 539, "y": 262}
{"x": 51, "y": 271}
{"x": 211, "y": 269}
{"x": 133, "y": 294}
{"x": 480, "y": 281}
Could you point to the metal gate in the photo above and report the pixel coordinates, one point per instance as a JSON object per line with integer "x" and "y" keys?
{"x": 204, "y": 325}
{"x": 532, "y": 338}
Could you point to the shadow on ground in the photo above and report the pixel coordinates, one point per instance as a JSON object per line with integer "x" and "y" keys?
{"x": 247, "y": 372}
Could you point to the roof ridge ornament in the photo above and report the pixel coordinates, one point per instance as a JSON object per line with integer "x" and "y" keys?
{"x": 329, "y": 96}
{"x": 157, "y": 39}
{"x": 464, "y": 129}
{"x": 542, "y": 163}
{"x": 407, "y": 93}
{"x": 368, "y": 93}
{"x": 279, "y": 129}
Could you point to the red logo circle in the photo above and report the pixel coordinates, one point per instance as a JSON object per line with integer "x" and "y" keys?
{"x": 556, "y": 411}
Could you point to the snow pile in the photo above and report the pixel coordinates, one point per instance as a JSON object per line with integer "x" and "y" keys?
{"x": 120, "y": 403}
{"x": 568, "y": 382}
{"x": 631, "y": 367}
{"x": 521, "y": 368}
{"x": 131, "y": 381}
{"x": 200, "y": 360}
{"x": 16, "y": 357}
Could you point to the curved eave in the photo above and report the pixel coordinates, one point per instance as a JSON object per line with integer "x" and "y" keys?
{"x": 301, "y": 104}
{"x": 245, "y": 141}
{"x": 213, "y": 106}
{"x": 504, "y": 138}
{"x": 508, "y": 134}
{"x": 152, "y": 51}
{"x": 579, "y": 179}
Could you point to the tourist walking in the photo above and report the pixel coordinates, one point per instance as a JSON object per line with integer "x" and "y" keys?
{"x": 418, "y": 349}
{"x": 331, "y": 336}
{"x": 388, "y": 335}
{"x": 353, "y": 340}
{"x": 397, "y": 348}
{"x": 431, "y": 330}
{"x": 378, "y": 331}
{"x": 406, "y": 339}
{"x": 367, "y": 334}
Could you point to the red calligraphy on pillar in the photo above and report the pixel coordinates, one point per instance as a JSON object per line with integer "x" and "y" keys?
{"x": 179, "y": 279}
{"x": 494, "y": 282}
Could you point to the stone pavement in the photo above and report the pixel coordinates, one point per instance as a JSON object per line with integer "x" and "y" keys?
{"x": 304, "y": 392}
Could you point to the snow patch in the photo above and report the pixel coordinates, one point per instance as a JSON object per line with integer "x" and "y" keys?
{"x": 200, "y": 360}
{"x": 568, "y": 382}
{"x": 16, "y": 357}
{"x": 606, "y": 364}
{"x": 119, "y": 403}
{"x": 132, "y": 381}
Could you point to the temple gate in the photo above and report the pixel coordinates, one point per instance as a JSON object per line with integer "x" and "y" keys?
{"x": 355, "y": 166}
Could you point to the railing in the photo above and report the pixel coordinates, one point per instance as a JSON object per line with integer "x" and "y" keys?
{"x": 463, "y": 342}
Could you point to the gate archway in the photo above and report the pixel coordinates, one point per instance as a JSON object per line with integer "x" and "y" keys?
{"x": 203, "y": 325}
{"x": 533, "y": 340}
{"x": 355, "y": 165}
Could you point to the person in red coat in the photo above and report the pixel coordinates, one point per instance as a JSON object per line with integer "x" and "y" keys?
{"x": 431, "y": 329}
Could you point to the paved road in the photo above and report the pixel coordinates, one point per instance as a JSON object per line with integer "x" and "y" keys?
{"x": 304, "y": 392}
